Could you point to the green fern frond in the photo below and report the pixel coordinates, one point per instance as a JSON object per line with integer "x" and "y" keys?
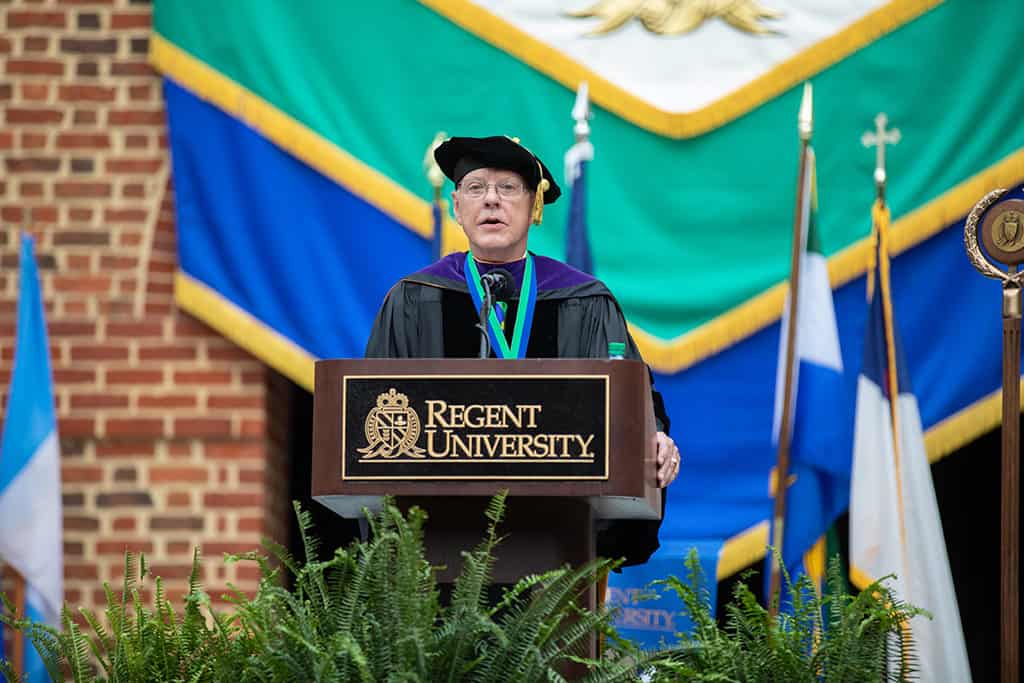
{"x": 7, "y": 671}
{"x": 78, "y": 652}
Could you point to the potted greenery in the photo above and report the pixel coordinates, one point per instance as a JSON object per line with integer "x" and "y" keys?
{"x": 372, "y": 613}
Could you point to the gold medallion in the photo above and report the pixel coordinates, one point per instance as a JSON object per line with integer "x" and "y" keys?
{"x": 1006, "y": 231}
{"x": 1002, "y": 231}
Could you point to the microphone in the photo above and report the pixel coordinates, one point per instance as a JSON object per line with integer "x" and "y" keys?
{"x": 499, "y": 283}
{"x": 497, "y": 286}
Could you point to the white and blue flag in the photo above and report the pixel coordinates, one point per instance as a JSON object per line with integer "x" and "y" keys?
{"x": 894, "y": 516}
{"x": 30, "y": 499}
{"x": 819, "y": 485}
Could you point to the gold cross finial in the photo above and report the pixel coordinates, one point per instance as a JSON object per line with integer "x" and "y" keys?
{"x": 879, "y": 139}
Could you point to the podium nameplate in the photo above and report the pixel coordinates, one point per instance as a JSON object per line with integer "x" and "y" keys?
{"x": 474, "y": 427}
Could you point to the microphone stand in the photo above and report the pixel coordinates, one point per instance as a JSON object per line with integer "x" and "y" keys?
{"x": 485, "y": 311}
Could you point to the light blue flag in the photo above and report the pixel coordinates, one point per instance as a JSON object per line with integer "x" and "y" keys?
{"x": 30, "y": 502}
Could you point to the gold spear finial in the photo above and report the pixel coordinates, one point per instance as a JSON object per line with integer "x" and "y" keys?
{"x": 582, "y": 150}
{"x": 581, "y": 113}
{"x": 434, "y": 173}
{"x": 805, "y": 119}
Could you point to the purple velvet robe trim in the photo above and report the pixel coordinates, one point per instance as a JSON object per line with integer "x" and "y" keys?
{"x": 551, "y": 274}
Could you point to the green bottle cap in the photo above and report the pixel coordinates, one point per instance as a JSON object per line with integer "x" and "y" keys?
{"x": 616, "y": 348}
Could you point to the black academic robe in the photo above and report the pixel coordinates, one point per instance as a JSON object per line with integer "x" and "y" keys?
{"x": 430, "y": 314}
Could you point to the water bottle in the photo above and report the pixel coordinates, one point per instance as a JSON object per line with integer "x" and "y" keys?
{"x": 616, "y": 350}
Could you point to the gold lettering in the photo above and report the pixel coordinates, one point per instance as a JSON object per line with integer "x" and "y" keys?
{"x": 525, "y": 445}
{"x": 435, "y": 413}
{"x": 494, "y": 416}
{"x": 541, "y": 446}
{"x": 475, "y": 423}
{"x": 433, "y": 452}
{"x": 508, "y": 446}
{"x": 510, "y": 417}
{"x": 457, "y": 414}
{"x": 584, "y": 445}
{"x": 491, "y": 444}
{"x": 457, "y": 443}
{"x": 532, "y": 411}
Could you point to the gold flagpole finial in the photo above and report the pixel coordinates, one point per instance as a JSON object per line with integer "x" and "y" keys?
{"x": 434, "y": 173}
{"x": 805, "y": 120}
{"x": 879, "y": 138}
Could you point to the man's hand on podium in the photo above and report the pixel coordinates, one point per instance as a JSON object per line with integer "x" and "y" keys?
{"x": 668, "y": 459}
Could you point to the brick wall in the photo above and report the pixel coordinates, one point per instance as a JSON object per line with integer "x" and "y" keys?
{"x": 171, "y": 437}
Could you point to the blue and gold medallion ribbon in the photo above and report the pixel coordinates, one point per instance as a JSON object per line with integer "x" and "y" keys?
{"x": 496, "y": 316}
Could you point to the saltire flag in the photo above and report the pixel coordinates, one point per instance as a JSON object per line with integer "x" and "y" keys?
{"x": 894, "y": 516}
{"x": 30, "y": 500}
{"x": 819, "y": 472}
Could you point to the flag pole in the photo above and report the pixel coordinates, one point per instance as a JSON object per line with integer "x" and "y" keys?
{"x": 880, "y": 228}
{"x": 878, "y": 139}
{"x": 436, "y": 178}
{"x": 805, "y": 127}
{"x": 17, "y": 658}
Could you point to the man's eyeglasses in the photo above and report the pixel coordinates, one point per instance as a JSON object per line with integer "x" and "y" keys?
{"x": 506, "y": 189}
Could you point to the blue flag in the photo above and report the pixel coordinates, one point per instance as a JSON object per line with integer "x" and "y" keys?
{"x": 30, "y": 502}
{"x": 577, "y": 242}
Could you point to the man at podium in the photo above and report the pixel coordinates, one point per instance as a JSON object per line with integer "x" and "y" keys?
{"x": 544, "y": 309}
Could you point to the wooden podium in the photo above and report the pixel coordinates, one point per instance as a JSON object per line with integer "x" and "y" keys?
{"x": 571, "y": 440}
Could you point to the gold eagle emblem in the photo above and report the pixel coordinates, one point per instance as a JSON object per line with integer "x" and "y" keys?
{"x": 675, "y": 17}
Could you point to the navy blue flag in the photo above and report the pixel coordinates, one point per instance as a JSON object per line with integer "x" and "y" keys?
{"x": 577, "y": 242}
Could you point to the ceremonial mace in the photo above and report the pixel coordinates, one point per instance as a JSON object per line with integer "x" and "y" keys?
{"x": 1002, "y": 232}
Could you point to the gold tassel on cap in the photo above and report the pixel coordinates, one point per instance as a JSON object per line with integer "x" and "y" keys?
{"x": 538, "y": 201}
{"x": 538, "y": 198}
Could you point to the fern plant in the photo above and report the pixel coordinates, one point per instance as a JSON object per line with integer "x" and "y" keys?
{"x": 369, "y": 613}
{"x": 372, "y": 613}
{"x": 832, "y": 636}
{"x": 137, "y": 643}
